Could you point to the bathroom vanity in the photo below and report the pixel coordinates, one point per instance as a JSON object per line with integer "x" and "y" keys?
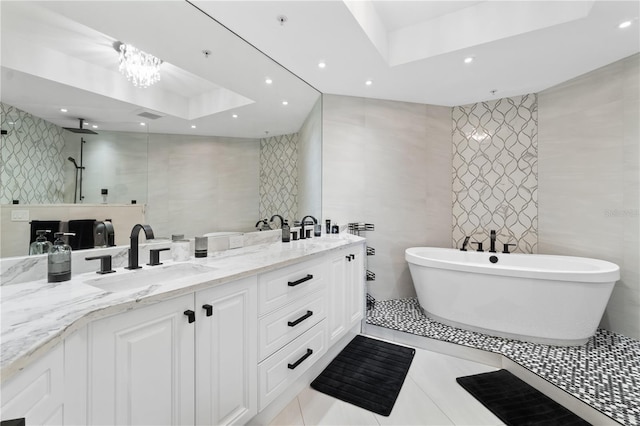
{"x": 216, "y": 340}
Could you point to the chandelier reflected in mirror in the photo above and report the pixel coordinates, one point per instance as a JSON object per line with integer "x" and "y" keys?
{"x": 141, "y": 68}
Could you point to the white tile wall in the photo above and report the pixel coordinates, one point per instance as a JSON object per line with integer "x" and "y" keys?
{"x": 589, "y": 178}
{"x": 116, "y": 161}
{"x": 202, "y": 184}
{"x": 384, "y": 163}
{"x": 310, "y": 164}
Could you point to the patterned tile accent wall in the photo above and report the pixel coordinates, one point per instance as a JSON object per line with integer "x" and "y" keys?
{"x": 279, "y": 176}
{"x": 31, "y": 166}
{"x": 495, "y": 172}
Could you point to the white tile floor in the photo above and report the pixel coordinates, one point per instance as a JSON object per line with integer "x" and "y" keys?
{"x": 430, "y": 396}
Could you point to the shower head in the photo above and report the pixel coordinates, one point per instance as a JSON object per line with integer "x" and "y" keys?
{"x": 80, "y": 129}
{"x": 73, "y": 160}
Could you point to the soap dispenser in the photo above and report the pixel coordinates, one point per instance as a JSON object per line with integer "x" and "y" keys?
{"x": 59, "y": 259}
{"x": 286, "y": 232}
{"x": 41, "y": 245}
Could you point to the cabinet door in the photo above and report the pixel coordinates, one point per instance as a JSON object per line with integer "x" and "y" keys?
{"x": 36, "y": 392}
{"x": 337, "y": 308}
{"x": 141, "y": 366}
{"x": 346, "y": 291}
{"x": 355, "y": 286}
{"x": 226, "y": 353}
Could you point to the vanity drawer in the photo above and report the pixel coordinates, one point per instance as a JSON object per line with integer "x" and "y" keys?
{"x": 279, "y": 287}
{"x": 281, "y": 369}
{"x": 285, "y": 324}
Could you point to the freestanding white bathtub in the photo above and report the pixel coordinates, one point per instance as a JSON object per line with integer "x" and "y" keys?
{"x": 556, "y": 300}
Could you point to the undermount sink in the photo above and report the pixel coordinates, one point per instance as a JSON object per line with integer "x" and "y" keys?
{"x": 129, "y": 280}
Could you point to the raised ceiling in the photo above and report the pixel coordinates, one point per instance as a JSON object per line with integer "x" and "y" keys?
{"x": 414, "y": 50}
{"x": 60, "y": 54}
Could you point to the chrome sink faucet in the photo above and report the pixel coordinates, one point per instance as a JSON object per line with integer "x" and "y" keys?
{"x": 315, "y": 222}
{"x": 133, "y": 249}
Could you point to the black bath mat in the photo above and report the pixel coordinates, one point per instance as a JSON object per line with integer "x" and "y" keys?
{"x": 368, "y": 373}
{"x": 515, "y": 402}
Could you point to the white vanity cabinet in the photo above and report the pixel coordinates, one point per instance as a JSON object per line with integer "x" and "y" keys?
{"x": 188, "y": 360}
{"x": 345, "y": 291}
{"x": 292, "y": 325}
{"x": 224, "y": 354}
{"x": 37, "y": 392}
{"x": 226, "y": 362}
{"x": 141, "y": 366}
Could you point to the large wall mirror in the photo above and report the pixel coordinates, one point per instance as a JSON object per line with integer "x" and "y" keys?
{"x": 226, "y": 136}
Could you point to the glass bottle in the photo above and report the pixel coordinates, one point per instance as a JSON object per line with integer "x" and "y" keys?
{"x": 286, "y": 234}
{"x": 59, "y": 260}
{"x": 41, "y": 245}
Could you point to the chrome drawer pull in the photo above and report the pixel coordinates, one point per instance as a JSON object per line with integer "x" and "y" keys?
{"x": 298, "y": 362}
{"x": 299, "y": 320}
{"x": 300, "y": 281}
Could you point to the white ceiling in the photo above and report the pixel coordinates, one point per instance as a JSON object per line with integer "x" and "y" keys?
{"x": 414, "y": 50}
{"x": 60, "y": 54}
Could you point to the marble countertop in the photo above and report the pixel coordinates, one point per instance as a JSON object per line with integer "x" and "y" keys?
{"x": 37, "y": 315}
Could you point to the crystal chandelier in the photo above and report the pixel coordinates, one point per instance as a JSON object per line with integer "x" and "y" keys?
{"x": 140, "y": 68}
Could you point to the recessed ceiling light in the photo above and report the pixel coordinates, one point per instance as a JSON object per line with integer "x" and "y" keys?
{"x": 368, "y": 82}
{"x": 63, "y": 110}
{"x": 193, "y": 126}
{"x": 143, "y": 124}
{"x": 285, "y": 102}
{"x": 235, "y": 116}
{"x": 268, "y": 80}
{"x": 322, "y": 64}
{"x": 468, "y": 59}
{"x": 624, "y": 24}
{"x": 94, "y": 126}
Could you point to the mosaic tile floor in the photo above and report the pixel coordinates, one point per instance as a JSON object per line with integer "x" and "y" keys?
{"x": 604, "y": 373}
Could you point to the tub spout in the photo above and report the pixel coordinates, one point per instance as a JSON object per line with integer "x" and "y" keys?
{"x": 492, "y": 248}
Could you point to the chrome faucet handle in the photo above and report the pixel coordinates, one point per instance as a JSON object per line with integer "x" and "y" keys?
{"x": 479, "y": 245}
{"x": 505, "y": 249}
